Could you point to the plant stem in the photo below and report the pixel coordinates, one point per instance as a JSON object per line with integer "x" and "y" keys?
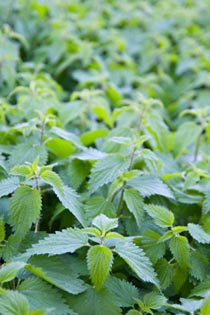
{"x": 119, "y": 207}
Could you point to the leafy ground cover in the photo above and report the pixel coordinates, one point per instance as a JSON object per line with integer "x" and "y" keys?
{"x": 104, "y": 157}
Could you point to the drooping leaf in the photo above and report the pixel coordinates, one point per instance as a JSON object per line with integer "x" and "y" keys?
{"x": 198, "y": 233}
{"x": 25, "y": 207}
{"x": 134, "y": 203}
{"x": 42, "y": 295}
{"x": 8, "y": 186}
{"x": 57, "y": 272}
{"x": 99, "y": 260}
{"x": 149, "y": 185}
{"x": 137, "y": 260}
{"x": 162, "y": 216}
{"x": 107, "y": 170}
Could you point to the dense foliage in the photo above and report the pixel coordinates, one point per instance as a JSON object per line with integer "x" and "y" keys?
{"x": 104, "y": 157}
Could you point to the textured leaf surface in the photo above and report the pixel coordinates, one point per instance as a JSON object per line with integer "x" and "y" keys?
{"x": 134, "y": 203}
{"x": 123, "y": 291}
{"x": 94, "y": 303}
{"x": 149, "y": 185}
{"x": 8, "y": 186}
{"x": 53, "y": 179}
{"x": 197, "y": 232}
{"x": 42, "y": 295}
{"x": 154, "y": 300}
{"x": 56, "y": 271}
{"x": 202, "y": 289}
{"x": 99, "y": 260}
{"x": 13, "y": 303}
{"x": 66, "y": 241}
{"x": 180, "y": 249}
{"x": 162, "y": 216}
{"x": 70, "y": 200}
{"x": 104, "y": 223}
{"x": 138, "y": 261}
{"x": 107, "y": 170}
{"x": 25, "y": 207}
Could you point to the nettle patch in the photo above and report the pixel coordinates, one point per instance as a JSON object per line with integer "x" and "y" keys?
{"x": 104, "y": 157}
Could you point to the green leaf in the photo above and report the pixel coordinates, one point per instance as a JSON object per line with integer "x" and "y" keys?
{"x": 165, "y": 273}
{"x": 199, "y": 265}
{"x": 149, "y": 185}
{"x": 13, "y": 303}
{"x": 52, "y": 179}
{"x": 134, "y": 203}
{"x": 97, "y": 205}
{"x": 206, "y": 204}
{"x": 162, "y": 216}
{"x": 99, "y": 260}
{"x": 123, "y": 291}
{"x": 150, "y": 244}
{"x": 133, "y": 312}
{"x": 9, "y": 272}
{"x": 197, "y": 232}
{"x": 2, "y": 229}
{"x": 105, "y": 224}
{"x": 22, "y": 170}
{"x": 25, "y": 207}
{"x": 42, "y": 295}
{"x": 206, "y": 306}
{"x": 202, "y": 288}
{"x": 57, "y": 272}
{"x": 180, "y": 249}
{"x": 70, "y": 200}
{"x": 154, "y": 300}
{"x": 8, "y": 186}
{"x": 66, "y": 241}
{"x": 137, "y": 260}
{"x": 107, "y": 170}
{"x": 90, "y": 137}
{"x": 93, "y": 302}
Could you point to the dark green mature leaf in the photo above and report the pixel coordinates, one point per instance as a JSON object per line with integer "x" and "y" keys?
{"x": 57, "y": 272}
{"x": 107, "y": 170}
{"x": 198, "y": 233}
{"x": 92, "y": 302}
{"x": 199, "y": 265}
{"x": 165, "y": 272}
{"x": 8, "y": 186}
{"x": 202, "y": 289}
{"x": 99, "y": 260}
{"x": 123, "y": 291}
{"x": 151, "y": 245}
{"x": 66, "y": 241}
{"x": 25, "y": 207}
{"x": 180, "y": 249}
{"x": 13, "y": 303}
{"x": 150, "y": 185}
{"x": 137, "y": 260}
{"x": 134, "y": 202}
{"x": 42, "y": 295}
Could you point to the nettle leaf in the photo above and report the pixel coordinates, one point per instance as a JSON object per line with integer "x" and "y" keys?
{"x": 151, "y": 245}
{"x": 104, "y": 223}
{"x": 197, "y": 232}
{"x": 206, "y": 204}
{"x": 205, "y": 307}
{"x": 57, "y": 272}
{"x": 107, "y": 170}
{"x": 9, "y": 272}
{"x": 2, "y": 229}
{"x": 199, "y": 265}
{"x": 154, "y": 300}
{"x": 133, "y": 312}
{"x": 165, "y": 273}
{"x": 97, "y": 205}
{"x": 149, "y": 185}
{"x": 70, "y": 200}
{"x": 137, "y": 260}
{"x": 180, "y": 249}
{"x": 42, "y": 295}
{"x": 13, "y": 303}
{"x": 134, "y": 202}
{"x": 66, "y": 241}
{"x": 162, "y": 216}
{"x": 202, "y": 289}
{"x": 52, "y": 179}
{"x": 25, "y": 207}
{"x": 123, "y": 291}
{"x": 99, "y": 260}
{"x": 93, "y": 302}
{"x": 8, "y": 186}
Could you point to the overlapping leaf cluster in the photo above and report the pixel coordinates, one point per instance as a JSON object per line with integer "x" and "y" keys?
{"x": 104, "y": 157}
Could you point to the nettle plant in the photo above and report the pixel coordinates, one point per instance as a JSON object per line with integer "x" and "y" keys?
{"x": 104, "y": 157}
